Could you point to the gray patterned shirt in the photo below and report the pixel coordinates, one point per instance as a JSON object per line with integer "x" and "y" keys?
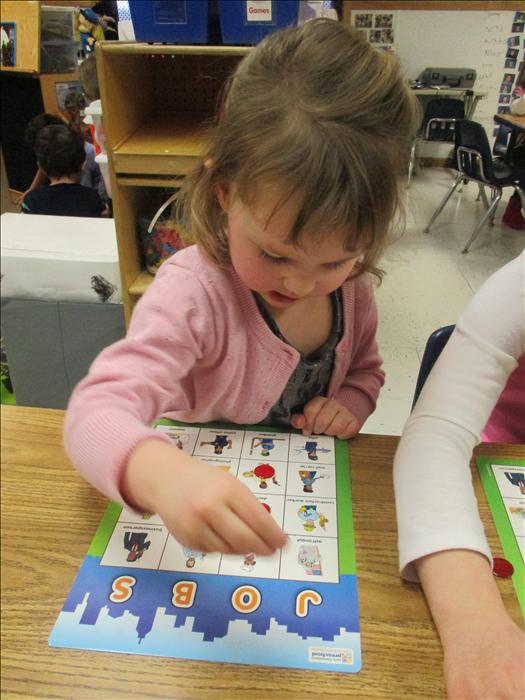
{"x": 312, "y": 375}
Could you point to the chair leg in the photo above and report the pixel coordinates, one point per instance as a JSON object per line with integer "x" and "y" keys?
{"x": 445, "y": 199}
{"x": 487, "y": 217}
{"x": 521, "y": 194}
{"x": 412, "y": 169}
{"x": 482, "y": 195}
{"x": 492, "y": 198}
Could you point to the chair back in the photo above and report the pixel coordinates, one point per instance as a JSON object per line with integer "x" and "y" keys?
{"x": 501, "y": 141}
{"x": 440, "y": 118}
{"x": 473, "y": 154}
{"x": 435, "y": 344}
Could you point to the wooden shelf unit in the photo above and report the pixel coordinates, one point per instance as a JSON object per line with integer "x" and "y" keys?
{"x": 157, "y": 101}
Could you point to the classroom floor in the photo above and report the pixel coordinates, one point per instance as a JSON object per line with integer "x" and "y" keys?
{"x": 429, "y": 281}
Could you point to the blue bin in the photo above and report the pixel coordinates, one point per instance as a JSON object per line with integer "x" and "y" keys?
{"x": 249, "y": 21}
{"x": 170, "y": 21}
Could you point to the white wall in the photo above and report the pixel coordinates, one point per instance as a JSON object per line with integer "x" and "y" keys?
{"x": 462, "y": 39}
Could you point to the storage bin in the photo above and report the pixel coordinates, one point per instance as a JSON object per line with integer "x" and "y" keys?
{"x": 58, "y": 40}
{"x": 58, "y": 56}
{"x": 249, "y": 21}
{"x": 93, "y": 115}
{"x": 66, "y": 258}
{"x": 159, "y": 245}
{"x": 57, "y": 23}
{"x": 170, "y": 21}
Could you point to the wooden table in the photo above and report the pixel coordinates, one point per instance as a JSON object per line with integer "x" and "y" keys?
{"x": 515, "y": 121}
{"x": 49, "y": 515}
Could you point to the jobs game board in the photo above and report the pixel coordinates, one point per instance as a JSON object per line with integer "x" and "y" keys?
{"x": 140, "y": 591}
{"x": 504, "y": 484}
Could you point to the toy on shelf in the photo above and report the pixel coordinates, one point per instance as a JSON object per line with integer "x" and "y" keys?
{"x": 93, "y": 28}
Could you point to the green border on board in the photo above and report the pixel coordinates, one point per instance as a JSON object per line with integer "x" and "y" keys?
{"x": 347, "y": 561}
{"x": 345, "y": 520}
{"x": 105, "y": 530}
{"x": 501, "y": 519}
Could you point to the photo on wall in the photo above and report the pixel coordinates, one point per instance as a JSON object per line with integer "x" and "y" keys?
{"x": 380, "y": 28}
{"x": 63, "y": 89}
{"x": 8, "y": 45}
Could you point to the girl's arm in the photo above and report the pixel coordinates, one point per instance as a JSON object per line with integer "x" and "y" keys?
{"x": 436, "y": 505}
{"x": 109, "y": 439}
{"x": 441, "y": 538}
{"x": 133, "y": 381}
{"x": 484, "y": 649}
{"x": 359, "y": 389}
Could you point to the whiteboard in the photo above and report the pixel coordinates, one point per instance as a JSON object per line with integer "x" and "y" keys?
{"x": 459, "y": 39}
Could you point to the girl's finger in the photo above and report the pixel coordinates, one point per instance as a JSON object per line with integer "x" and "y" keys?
{"x": 208, "y": 540}
{"x": 350, "y": 430}
{"x": 239, "y": 537}
{"x": 260, "y": 522}
{"x": 325, "y": 416}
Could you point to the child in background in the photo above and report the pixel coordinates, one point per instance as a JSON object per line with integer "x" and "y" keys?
{"x": 270, "y": 317}
{"x": 87, "y": 75}
{"x": 478, "y": 380}
{"x": 60, "y": 155}
{"x": 73, "y": 116}
{"x": 90, "y": 175}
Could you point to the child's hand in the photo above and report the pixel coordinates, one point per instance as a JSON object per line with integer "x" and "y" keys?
{"x": 485, "y": 660}
{"x": 203, "y": 507}
{"x": 328, "y": 417}
{"x": 483, "y": 648}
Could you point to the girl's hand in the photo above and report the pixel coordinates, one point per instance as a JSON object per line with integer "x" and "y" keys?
{"x": 483, "y": 648}
{"x": 485, "y": 659}
{"x": 202, "y": 506}
{"x": 328, "y": 417}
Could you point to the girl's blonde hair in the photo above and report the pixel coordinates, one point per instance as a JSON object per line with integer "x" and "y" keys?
{"x": 321, "y": 113}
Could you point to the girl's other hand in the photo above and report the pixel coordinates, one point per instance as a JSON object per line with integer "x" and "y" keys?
{"x": 484, "y": 650}
{"x": 323, "y": 416}
{"x": 486, "y": 659}
{"x": 202, "y": 506}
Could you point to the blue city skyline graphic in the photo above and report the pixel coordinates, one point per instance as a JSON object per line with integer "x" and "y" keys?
{"x": 212, "y": 611}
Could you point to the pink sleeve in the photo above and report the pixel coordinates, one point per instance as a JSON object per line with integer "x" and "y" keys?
{"x": 364, "y": 379}
{"x": 132, "y": 382}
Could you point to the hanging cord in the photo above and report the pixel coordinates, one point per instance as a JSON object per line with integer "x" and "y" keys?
{"x": 161, "y": 209}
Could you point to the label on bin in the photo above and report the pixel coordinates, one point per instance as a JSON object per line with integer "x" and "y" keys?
{"x": 259, "y": 10}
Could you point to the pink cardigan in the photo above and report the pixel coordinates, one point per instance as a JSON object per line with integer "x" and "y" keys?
{"x": 198, "y": 350}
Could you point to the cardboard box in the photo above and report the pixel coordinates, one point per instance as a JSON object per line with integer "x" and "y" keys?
{"x": 60, "y": 257}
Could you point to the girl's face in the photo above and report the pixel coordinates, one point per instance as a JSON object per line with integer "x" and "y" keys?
{"x": 280, "y": 272}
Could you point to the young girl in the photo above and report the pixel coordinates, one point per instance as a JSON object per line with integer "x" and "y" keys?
{"x": 270, "y": 317}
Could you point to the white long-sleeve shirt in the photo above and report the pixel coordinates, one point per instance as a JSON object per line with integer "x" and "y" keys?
{"x": 436, "y": 505}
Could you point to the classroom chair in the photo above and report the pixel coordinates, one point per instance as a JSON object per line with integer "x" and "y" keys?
{"x": 501, "y": 141}
{"x": 439, "y": 121}
{"x": 435, "y": 344}
{"x": 475, "y": 162}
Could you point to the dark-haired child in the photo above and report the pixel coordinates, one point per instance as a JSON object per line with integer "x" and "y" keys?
{"x": 90, "y": 175}
{"x": 60, "y": 154}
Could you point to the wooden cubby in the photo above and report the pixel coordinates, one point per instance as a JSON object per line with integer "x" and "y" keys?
{"x": 157, "y": 101}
